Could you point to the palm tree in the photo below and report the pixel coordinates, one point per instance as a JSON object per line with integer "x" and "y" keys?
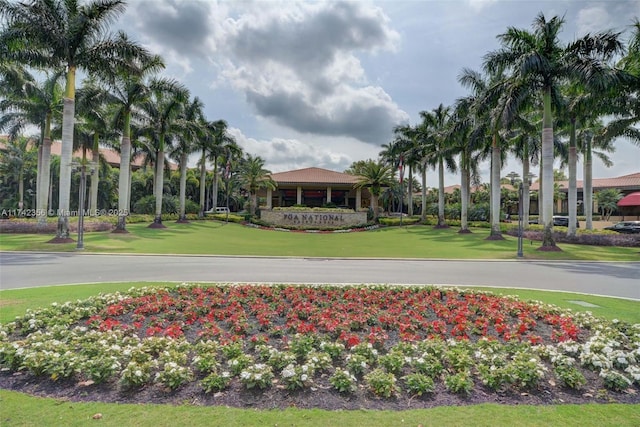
{"x": 471, "y": 148}
{"x": 374, "y": 176}
{"x": 28, "y": 102}
{"x": 221, "y": 143}
{"x": 254, "y": 176}
{"x": 191, "y": 120}
{"x": 487, "y": 103}
{"x": 66, "y": 34}
{"x": 626, "y": 104}
{"x": 16, "y": 158}
{"x": 436, "y": 135}
{"x": 525, "y": 145}
{"x": 128, "y": 89}
{"x": 161, "y": 111}
{"x": 540, "y": 63}
{"x": 95, "y": 117}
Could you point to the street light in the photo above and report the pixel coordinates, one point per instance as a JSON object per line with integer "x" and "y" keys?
{"x": 514, "y": 179}
{"x": 82, "y": 191}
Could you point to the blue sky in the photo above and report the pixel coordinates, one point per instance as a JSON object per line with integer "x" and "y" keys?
{"x": 323, "y": 83}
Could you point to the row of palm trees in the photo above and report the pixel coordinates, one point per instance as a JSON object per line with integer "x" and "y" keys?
{"x": 122, "y": 97}
{"x": 528, "y": 86}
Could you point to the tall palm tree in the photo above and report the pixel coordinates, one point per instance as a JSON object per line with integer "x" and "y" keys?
{"x": 221, "y": 143}
{"x": 190, "y": 123}
{"x": 128, "y": 89}
{"x": 540, "y": 63}
{"x": 525, "y": 144}
{"x": 59, "y": 34}
{"x": 27, "y": 101}
{"x": 16, "y": 158}
{"x": 254, "y": 176}
{"x": 374, "y": 176}
{"x": 487, "y": 103}
{"x": 436, "y": 135}
{"x": 471, "y": 149}
{"x": 161, "y": 111}
{"x": 94, "y": 115}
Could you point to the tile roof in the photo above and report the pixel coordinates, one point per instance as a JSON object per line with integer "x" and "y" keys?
{"x": 621, "y": 182}
{"x": 313, "y": 176}
{"x": 111, "y": 156}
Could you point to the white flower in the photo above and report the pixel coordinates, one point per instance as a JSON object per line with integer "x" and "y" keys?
{"x": 304, "y": 377}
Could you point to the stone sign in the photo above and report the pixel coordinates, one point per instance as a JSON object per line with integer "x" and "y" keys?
{"x": 313, "y": 219}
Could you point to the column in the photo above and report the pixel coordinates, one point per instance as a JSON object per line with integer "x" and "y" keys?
{"x": 269, "y": 197}
{"x": 358, "y": 199}
{"x": 328, "y": 194}
{"x": 299, "y": 196}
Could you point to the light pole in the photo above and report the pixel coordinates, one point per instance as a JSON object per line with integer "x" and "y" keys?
{"x": 520, "y": 254}
{"x": 513, "y": 176}
{"x": 83, "y": 185}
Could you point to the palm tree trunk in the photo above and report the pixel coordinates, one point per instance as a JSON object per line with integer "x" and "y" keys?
{"x": 39, "y": 176}
{"x": 423, "y": 171}
{"x": 374, "y": 206}
{"x": 64, "y": 196}
{"x": 587, "y": 187}
{"x": 540, "y": 195}
{"x": 526, "y": 194}
{"x": 464, "y": 196}
{"x": 547, "y": 173}
{"x": 410, "y": 192}
{"x": 124, "y": 180}
{"x": 159, "y": 184}
{"x": 95, "y": 177}
{"x": 573, "y": 191}
{"x": 441, "y": 221}
{"x": 183, "y": 187}
{"x": 496, "y": 165}
{"x": 45, "y": 181}
{"x": 214, "y": 184}
{"x": 203, "y": 183}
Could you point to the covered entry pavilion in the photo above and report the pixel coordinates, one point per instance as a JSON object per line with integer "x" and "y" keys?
{"x": 315, "y": 187}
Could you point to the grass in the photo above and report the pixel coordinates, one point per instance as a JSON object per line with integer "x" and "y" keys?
{"x": 218, "y": 238}
{"x": 19, "y": 409}
{"x": 22, "y": 410}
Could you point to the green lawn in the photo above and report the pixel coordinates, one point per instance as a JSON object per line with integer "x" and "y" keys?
{"x": 232, "y": 239}
{"x": 22, "y": 410}
{"x": 218, "y": 238}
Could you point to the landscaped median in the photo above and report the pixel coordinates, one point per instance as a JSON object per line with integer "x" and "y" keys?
{"x": 332, "y": 347}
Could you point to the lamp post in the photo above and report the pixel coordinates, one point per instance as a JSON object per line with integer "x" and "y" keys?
{"x": 513, "y": 176}
{"x": 81, "y": 196}
{"x": 520, "y": 254}
{"x": 83, "y": 185}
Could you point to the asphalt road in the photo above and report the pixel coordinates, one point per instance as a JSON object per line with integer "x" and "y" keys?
{"x": 20, "y": 270}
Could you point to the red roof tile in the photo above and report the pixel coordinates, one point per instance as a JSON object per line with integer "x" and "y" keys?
{"x": 621, "y": 182}
{"x": 313, "y": 176}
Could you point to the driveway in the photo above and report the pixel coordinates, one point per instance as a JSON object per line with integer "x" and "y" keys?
{"x": 23, "y": 269}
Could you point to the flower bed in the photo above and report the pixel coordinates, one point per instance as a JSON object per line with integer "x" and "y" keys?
{"x": 383, "y": 341}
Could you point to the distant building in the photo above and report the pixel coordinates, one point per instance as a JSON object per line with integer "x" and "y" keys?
{"x": 315, "y": 187}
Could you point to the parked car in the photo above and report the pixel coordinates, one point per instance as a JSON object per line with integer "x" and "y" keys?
{"x": 559, "y": 221}
{"x": 628, "y": 227}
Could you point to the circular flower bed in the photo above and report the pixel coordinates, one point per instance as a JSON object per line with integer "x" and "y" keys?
{"x": 348, "y": 344}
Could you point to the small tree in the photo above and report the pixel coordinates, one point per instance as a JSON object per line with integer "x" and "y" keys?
{"x": 608, "y": 201}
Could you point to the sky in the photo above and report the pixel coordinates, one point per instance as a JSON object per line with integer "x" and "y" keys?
{"x": 324, "y": 83}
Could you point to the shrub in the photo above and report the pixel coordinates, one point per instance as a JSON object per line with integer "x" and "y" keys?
{"x": 343, "y": 381}
{"x": 381, "y": 383}
{"x": 147, "y": 205}
{"x": 419, "y": 384}
{"x": 460, "y": 383}
{"x": 216, "y": 382}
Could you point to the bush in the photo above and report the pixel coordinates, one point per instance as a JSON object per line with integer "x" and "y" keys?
{"x": 147, "y": 205}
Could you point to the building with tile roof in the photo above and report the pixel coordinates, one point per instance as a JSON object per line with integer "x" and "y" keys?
{"x": 315, "y": 187}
